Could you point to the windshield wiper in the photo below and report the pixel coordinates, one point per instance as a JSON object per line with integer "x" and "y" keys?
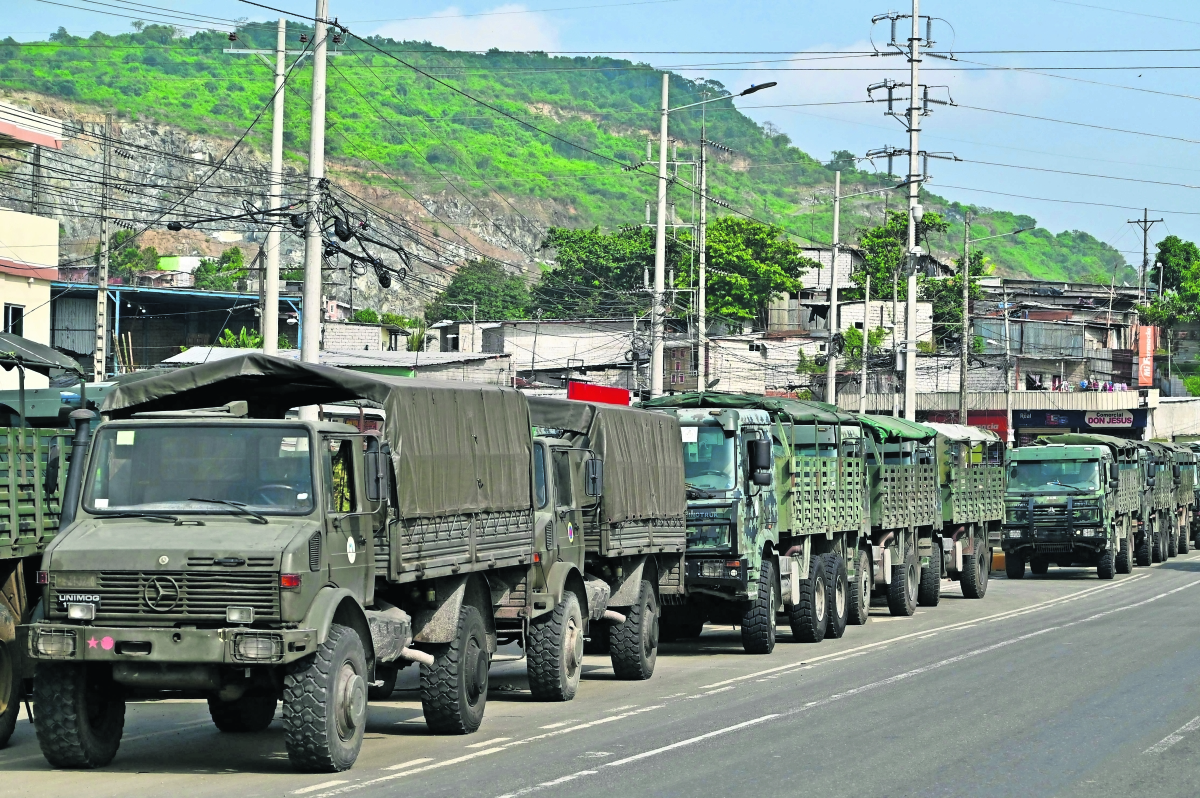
{"x": 134, "y": 514}
{"x": 1065, "y": 485}
{"x": 694, "y": 492}
{"x": 239, "y": 507}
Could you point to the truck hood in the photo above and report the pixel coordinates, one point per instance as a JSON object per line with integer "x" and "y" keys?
{"x": 133, "y": 544}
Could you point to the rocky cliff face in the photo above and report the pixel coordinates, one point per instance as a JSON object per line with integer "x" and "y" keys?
{"x": 160, "y": 173}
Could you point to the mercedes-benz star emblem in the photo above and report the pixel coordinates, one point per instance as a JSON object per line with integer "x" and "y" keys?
{"x": 162, "y": 593}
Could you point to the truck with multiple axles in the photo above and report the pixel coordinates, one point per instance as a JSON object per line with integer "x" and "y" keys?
{"x": 224, "y": 551}
{"x": 1183, "y": 476}
{"x": 1077, "y": 499}
{"x": 1190, "y": 443}
{"x": 1159, "y": 503}
{"x": 796, "y": 507}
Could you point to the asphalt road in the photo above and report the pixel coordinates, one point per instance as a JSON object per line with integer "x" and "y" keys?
{"x": 1054, "y": 685}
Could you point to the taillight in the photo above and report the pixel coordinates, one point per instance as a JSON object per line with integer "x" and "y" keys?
{"x": 289, "y": 580}
{"x": 43, "y": 577}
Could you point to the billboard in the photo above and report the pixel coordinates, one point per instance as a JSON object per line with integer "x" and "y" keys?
{"x": 1147, "y": 345}
{"x": 586, "y": 392}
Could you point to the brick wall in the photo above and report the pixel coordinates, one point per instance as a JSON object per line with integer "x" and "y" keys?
{"x": 352, "y": 337}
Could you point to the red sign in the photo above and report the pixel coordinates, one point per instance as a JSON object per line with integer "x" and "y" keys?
{"x": 601, "y": 394}
{"x": 1147, "y": 344}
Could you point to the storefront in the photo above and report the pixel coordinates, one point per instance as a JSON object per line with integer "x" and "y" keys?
{"x": 1029, "y": 424}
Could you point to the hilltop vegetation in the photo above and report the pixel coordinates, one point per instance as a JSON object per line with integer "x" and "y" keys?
{"x": 392, "y": 127}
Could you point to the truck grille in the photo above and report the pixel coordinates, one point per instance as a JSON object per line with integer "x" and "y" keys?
{"x": 1052, "y": 548}
{"x": 1049, "y": 514}
{"x": 182, "y": 595}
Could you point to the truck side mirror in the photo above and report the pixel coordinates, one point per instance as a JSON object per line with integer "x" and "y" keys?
{"x": 760, "y": 456}
{"x": 1114, "y": 472}
{"x": 593, "y": 477}
{"x": 1177, "y": 471}
{"x": 377, "y": 475}
{"x": 761, "y": 478}
{"x": 53, "y": 463}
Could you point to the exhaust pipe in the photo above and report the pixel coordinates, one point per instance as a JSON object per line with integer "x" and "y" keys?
{"x": 415, "y": 655}
{"x": 79, "y": 446}
{"x": 612, "y": 615}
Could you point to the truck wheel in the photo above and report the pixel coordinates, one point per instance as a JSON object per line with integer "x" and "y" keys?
{"x": 758, "y": 622}
{"x": 902, "y": 592}
{"x": 454, "y": 690}
{"x": 1184, "y": 546}
{"x": 385, "y": 683}
{"x": 809, "y": 615}
{"x": 976, "y": 568}
{"x": 253, "y": 712}
{"x": 1105, "y": 568}
{"x": 1172, "y": 542}
{"x": 80, "y": 715}
{"x": 836, "y": 599}
{"x": 634, "y": 644}
{"x": 555, "y": 651}
{"x": 10, "y": 695}
{"x": 325, "y": 704}
{"x": 1039, "y": 565}
{"x": 596, "y": 643}
{"x": 1014, "y": 565}
{"x": 929, "y": 591}
{"x": 1124, "y": 563}
{"x": 860, "y": 590}
{"x": 1143, "y": 555}
{"x": 1158, "y": 548}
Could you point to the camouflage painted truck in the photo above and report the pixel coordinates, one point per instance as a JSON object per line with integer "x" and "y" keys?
{"x": 224, "y": 551}
{"x": 1160, "y": 511}
{"x": 1192, "y": 444}
{"x": 1076, "y": 499}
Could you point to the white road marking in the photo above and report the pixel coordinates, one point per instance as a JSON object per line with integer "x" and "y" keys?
{"x": 1171, "y": 739}
{"x": 410, "y": 763}
{"x": 885, "y": 683}
{"x": 546, "y": 784}
{"x": 379, "y": 779}
{"x": 889, "y": 641}
{"x": 560, "y": 723}
{"x": 316, "y": 787}
{"x": 926, "y": 637}
{"x": 486, "y": 743}
{"x": 620, "y": 709}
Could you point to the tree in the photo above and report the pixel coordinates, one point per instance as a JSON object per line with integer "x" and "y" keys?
{"x": 600, "y": 275}
{"x": 945, "y": 294}
{"x": 748, "y": 264}
{"x": 125, "y": 257}
{"x": 852, "y": 351}
{"x": 246, "y": 339}
{"x": 221, "y": 274}
{"x": 366, "y": 316}
{"x": 497, "y": 295}
{"x": 1175, "y": 259}
{"x": 1180, "y": 299}
{"x": 885, "y": 250}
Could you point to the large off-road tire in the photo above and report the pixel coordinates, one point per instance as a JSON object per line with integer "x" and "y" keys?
{"x": 1040, "y": 566}
{"x": 837, "y": 599}
{"x": 929, "y": 590}
{"x": 977, "y": 569}
{"x": 859, "y": 596}
{"x": 10, "y": 694}
{"x": 1124, "y": 563}
{"x": 1184, "y": 543}
{"x": 758, "y": 622}
{"x": 1142, "y": 555}
{"x": 253, "y": 712}
{"x": 79, "y": 716}
{"x": 325, "y": 704}
{"x": 1105, "y": 568}
{"x": 1173, "y": 540}
{"x": 633, "y": 645}
{"x": 809, "y": 615}
{"x": 1014, "y": 565}
{"x": 385, "y": 683}
{"x": 454, "y": 690}
{"x": 1158, "y": 546}
{"x": 555, "y": 651}
{"x": 902, "y": 592}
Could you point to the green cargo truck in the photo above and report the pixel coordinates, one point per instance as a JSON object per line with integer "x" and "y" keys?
{"x": 1183, "y": 476}
{"x": 226, "y": 552}
{"x": 1077, "y": 499}
{"x": 1192, "y": 445}
{"x": 1158, "y": 506}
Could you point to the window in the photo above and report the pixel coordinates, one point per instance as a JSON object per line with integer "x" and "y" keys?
{"x": 539, "y": 476}
{"x": 339, "y": 472}
{"x": 14, "y": 319}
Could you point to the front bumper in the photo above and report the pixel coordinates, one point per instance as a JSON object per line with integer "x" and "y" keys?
{"x": 52, "y": 642}
{"x": 724, "y": 576}
{"x": 1042, "y": 540}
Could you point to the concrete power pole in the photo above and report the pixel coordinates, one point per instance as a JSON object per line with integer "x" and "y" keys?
{"x": 314, "y": 311}
{"x": 830, "y": 354}
{"x": 100, "y": 355}
{"x": 966, "y": 319}
{"x": 914, "y": 211}
{"x": 862, "y": 388}
{"x": 270, "y": 311}
{"x": 701, "y": 294}
{"x": 660, "y": 252}
{"x": 1145, "y": 223}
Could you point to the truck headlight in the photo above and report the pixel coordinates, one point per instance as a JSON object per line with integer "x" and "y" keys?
{"x": 1014, "y": 533}
{"x": 81, "y": 612}
{"x": 239, "y": 614}
{"x": 55, "y": 643}
{"x": 712, "y": 569}
{"x": 258, "y": 647}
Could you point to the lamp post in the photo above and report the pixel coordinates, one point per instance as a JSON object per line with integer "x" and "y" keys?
{"x": 660, "y": 232}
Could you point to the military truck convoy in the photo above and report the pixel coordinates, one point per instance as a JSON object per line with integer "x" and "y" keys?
{"x": 222, "y": 546}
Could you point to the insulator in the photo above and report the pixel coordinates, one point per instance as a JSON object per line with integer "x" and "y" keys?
{"x": 647, "y": 211}
{"x": 674, "y": 150}
{"x": 337, "y": 38}
{"x": 925, "y": 103}
{"x": 646, "y": 278}
{"x": 303, "y": 38}
{"x": 232, "y": 36}
{"x": 929, "y": 31}
{"x": 893, "y": 30}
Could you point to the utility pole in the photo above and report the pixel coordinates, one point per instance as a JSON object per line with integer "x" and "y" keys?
{"x": 914, "y": 213}
{"x": 270, "y": 310}
{"x": 660, "y": 251}
{"x": 1145, "y": 223}
{"x": 100, "y": 355}
{"x": 701, "y": 296}
{"x": 966, "y": 319}
{"x": 830, "y": 354}
{"x": 35, "y": 189}
{"x": 313, "y": 306}
{"x": 862, "y": 388}
{"x": 1008, "y": 378}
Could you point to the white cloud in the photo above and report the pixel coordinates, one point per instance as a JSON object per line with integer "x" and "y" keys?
{"x": 505, "y": 27}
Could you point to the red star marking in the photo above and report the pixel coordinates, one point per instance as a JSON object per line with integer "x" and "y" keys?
{"x": 92, "y": 642}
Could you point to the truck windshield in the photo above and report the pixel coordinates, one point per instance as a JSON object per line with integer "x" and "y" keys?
{"x": 709, "y": 458}
{"x": 171, "y": 467}
{"x": 1048, "y": 476}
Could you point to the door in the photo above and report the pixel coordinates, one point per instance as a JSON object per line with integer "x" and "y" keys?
{"x": 567, "y": 483}
{"x": 347, "y": 526}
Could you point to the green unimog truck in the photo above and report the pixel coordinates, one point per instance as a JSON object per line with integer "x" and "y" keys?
{"x": 224, "y": 551}
{"x": 1077, "y": 499}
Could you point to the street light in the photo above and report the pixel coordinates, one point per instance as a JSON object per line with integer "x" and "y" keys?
{"x": 660, "y": 233}
{"x": 966, "y": 317}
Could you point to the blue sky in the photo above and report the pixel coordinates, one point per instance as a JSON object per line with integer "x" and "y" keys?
{"x": 790, "y": 30}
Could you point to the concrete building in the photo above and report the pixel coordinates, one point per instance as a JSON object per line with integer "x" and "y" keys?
{"x": 28, "y": 266}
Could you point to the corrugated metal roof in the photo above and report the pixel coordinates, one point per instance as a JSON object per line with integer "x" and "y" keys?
{"x": 210, "y": 354}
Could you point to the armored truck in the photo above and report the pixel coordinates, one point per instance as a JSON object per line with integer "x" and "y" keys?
{"x": 1077, "y": 499}
{"x": 224, "y": 551}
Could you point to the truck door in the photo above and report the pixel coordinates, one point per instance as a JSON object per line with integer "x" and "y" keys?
{"x": 568, "y": 480}
{"x": 347, "y": 527}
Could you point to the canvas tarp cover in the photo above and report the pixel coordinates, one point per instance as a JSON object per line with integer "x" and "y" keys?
{"x": 456, "y": 447}
{"x": 964, "y": 433}
{"x": 798, "y": 411}
{"x": 642, "y": 454}
{"x": 16, "y": 350}
{"x": 1089, "y": 439}
{"x": 897, "y": 429}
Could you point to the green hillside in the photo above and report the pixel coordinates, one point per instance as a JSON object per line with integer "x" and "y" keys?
{"x": 389, "y": 125}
